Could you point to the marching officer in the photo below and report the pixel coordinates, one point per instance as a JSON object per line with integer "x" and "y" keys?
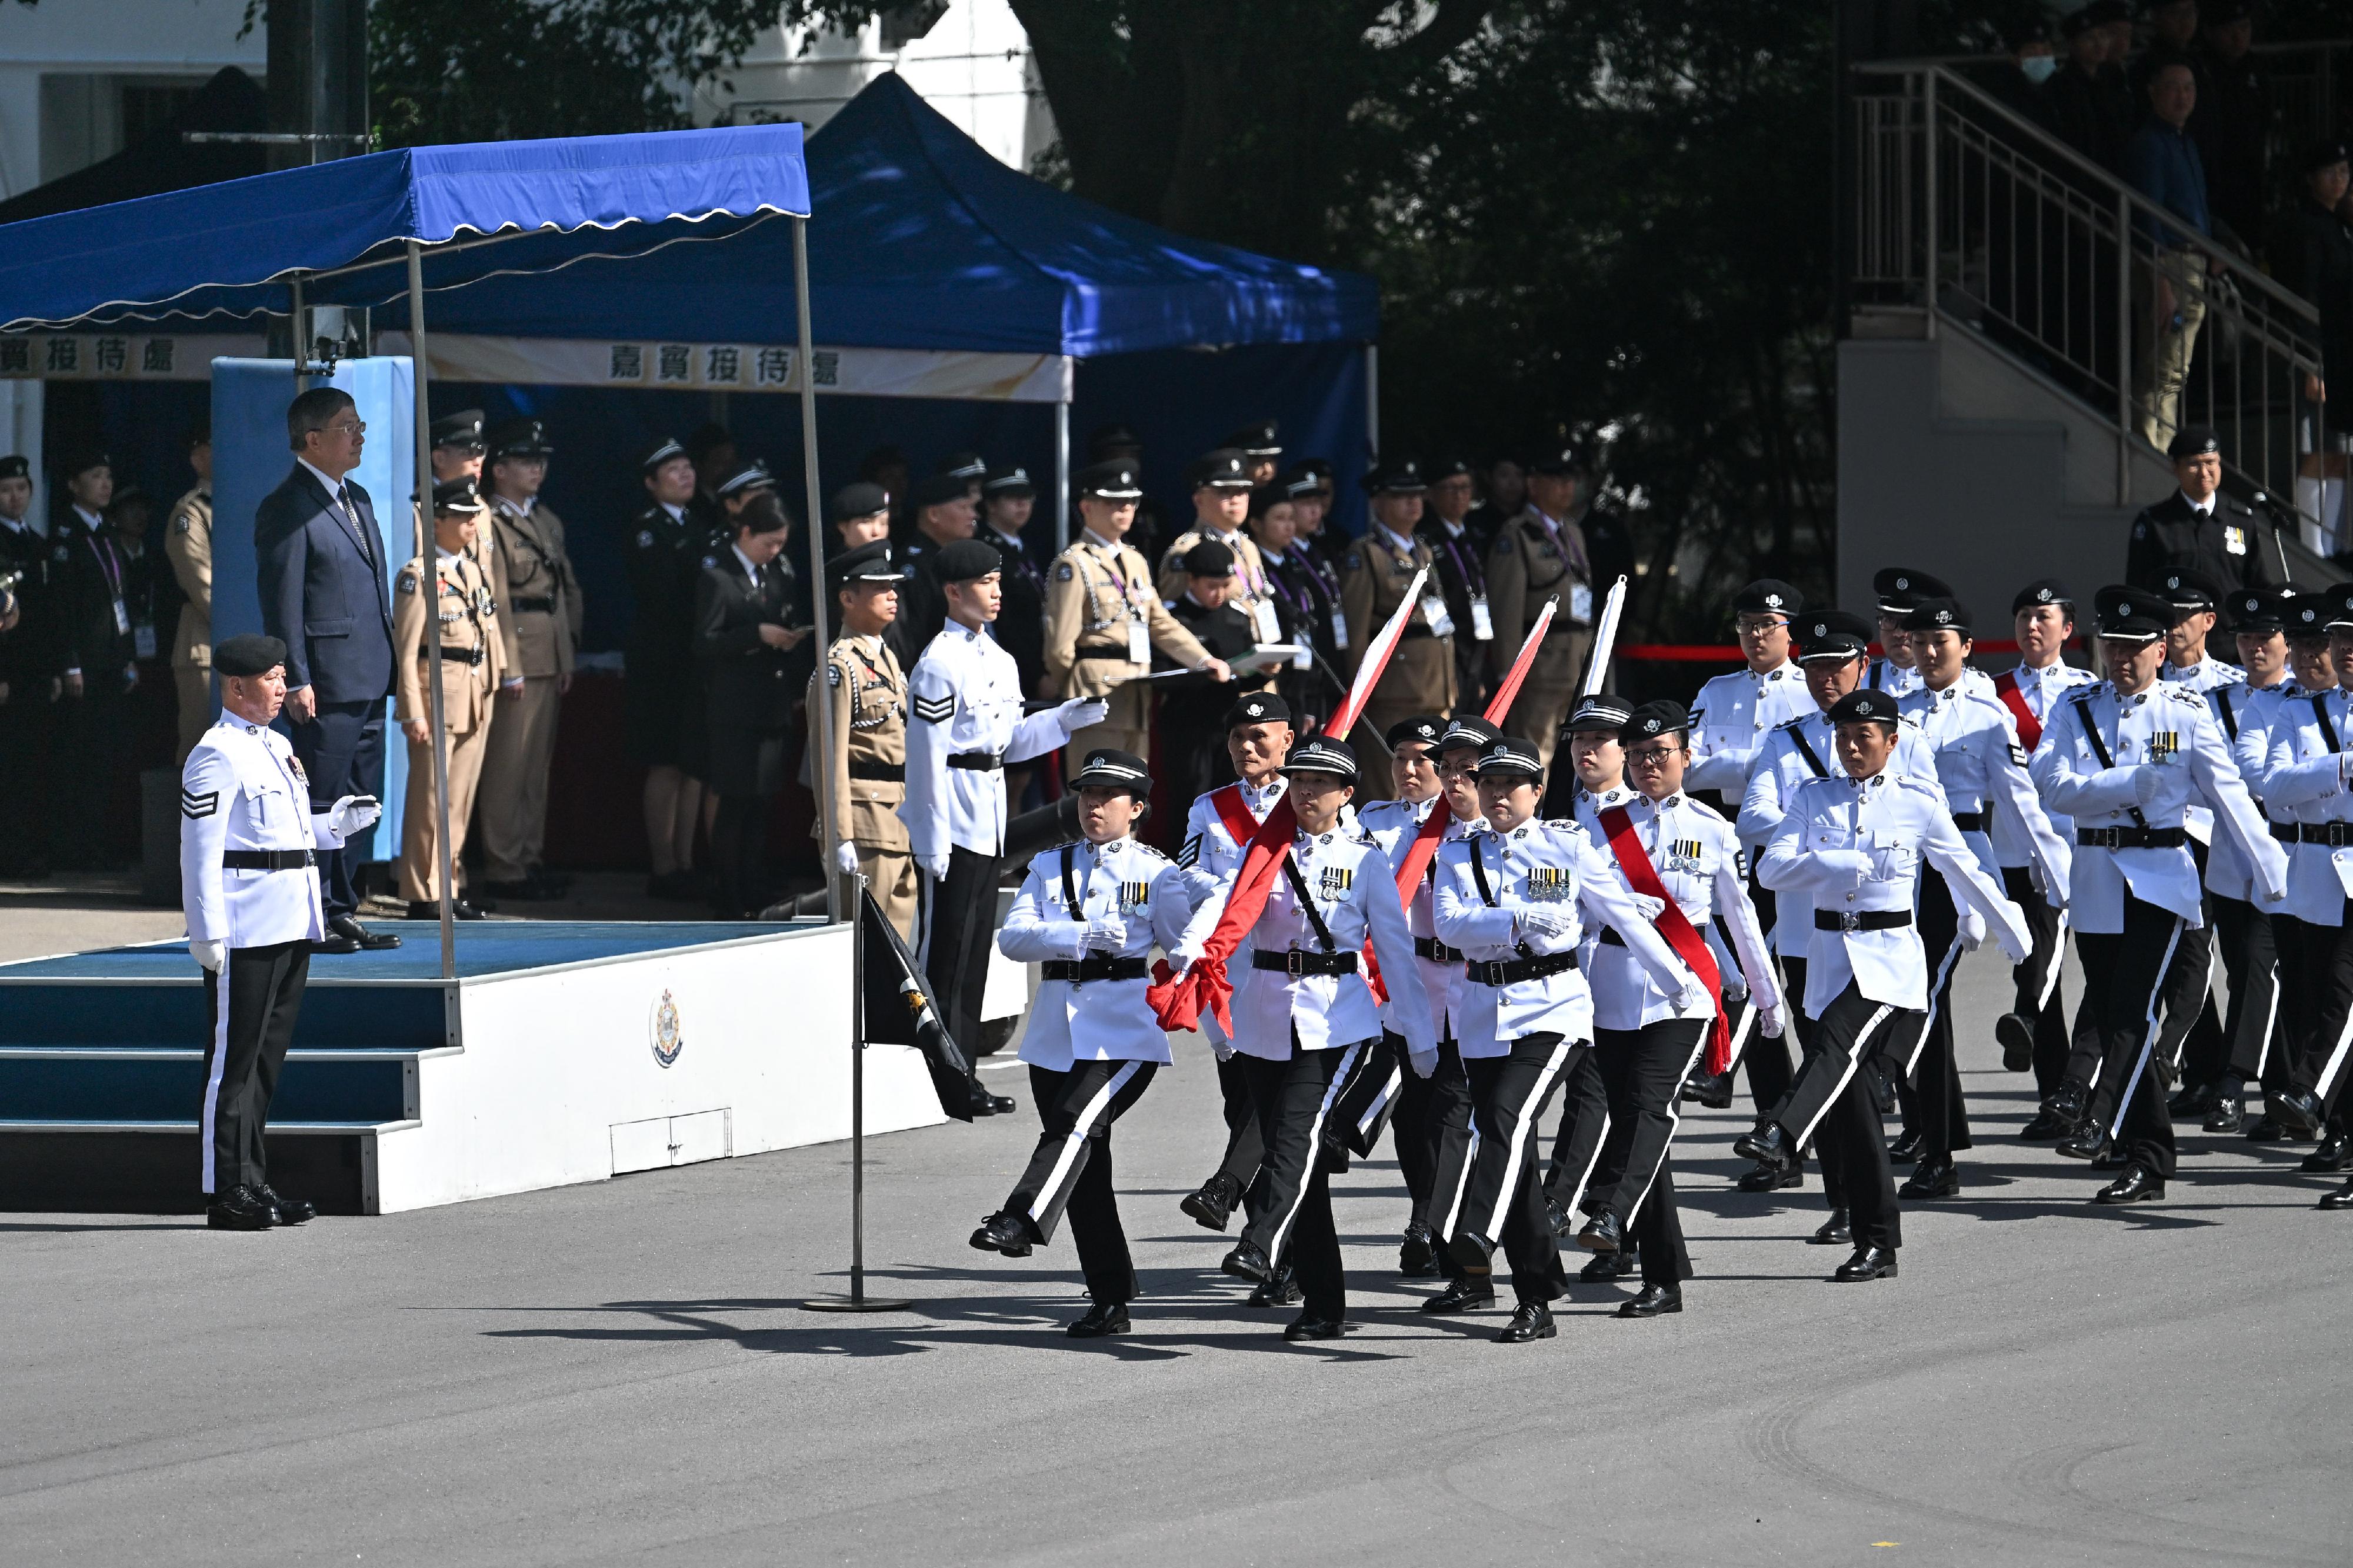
{"x": 1734, "y": 713}
{"x": 29, "y": 680}
{"x": 1088, "y": 915}
{"x": 1541, "y": 554}
{"x": 464, "y": 616}
{"x": 1222, "y": 497}
{"x": 539, "y": 615}
{"x": 1379, "y": 568}
{"x": 868, "y": 691}
{"x": 249, "y": 888}
{"x": 661, "y": 662}
{"x": 1461, "y": 577}
{"x": 189, "y": 546}
{"x": 2222, "y": 537}
{"x": 1104, "y": 620}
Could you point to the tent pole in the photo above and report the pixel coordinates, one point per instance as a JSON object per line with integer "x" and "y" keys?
{"x": 1062, "y": 470}
{"x": 820, "y": 775}
{"x": 429, "y": 583}
{"x": 1373, "y": 398}
{"x": 294, "y": 330}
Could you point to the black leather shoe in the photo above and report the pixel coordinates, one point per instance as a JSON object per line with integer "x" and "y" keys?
{"x": 1418, "y": 1253}
{"x": 2268, "y": 1130}
{"x": 1907, "y": 1148}
{"x": 1604, "y": 1266}
{"x": 2015, "y": 1031}
{"x": 240, "y": 1208}
{"x": 987, "y": 1104}
{"x": 1246, "y": 1262}
{"x": 2229, "y": 1114}
{"x": 330, "y": 943}
{"x": 1602, "y": 1234}
{"x": 1530, "y": 1321}
{"x": 1766, "y": 1144}
{"x": 1212, "y": 1206}
{"x": 459, "y": 910}
{"x": 1003, "y": 1232}
{"x": 1281, "y": 1290}
{"x": 2342, "y": 1199}
{"x": 291, "y": 1210}
{"x": 2335, "y": 1154}
{"x": 1103, "y": 1318}
{"x": 1467, "y": 1295}
{"x": 1868, "y": 1263}
{"x": 2298, "y": 1111}
{"x": 1470, "y": 1249}
{"x": 369, "y": 940}
{"x": 1933, "y": 1179}
{"x": 1653, "y": 1300}
{"x": 2046, "y": 1125}
{"x": 1711, "y": 1089}
{"x": 2194, "y": 1104}
{"x": 2110, "y": 1157}
{"x": 1772, "y": 1178}
{"x": 1556, "y": 1218}
{"x": 1306, "y": 1326}
{"x": 2069, "y": 1103}
{"x": 2087, "y": 1144}
{"x": 1836, "y": 1231}
{"x": 2138, "y": 1185}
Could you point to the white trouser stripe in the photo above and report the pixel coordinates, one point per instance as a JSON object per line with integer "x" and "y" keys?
{"x": 1935, "y": 993}
{"x": 1314, "y": 1148}
{"x": 213, "y": 1079}
{"x": 1797, "y": 1140}
{"x": 2058, "y": 961}
{"x": 926, "y": 905}
{"x": 1674, "y": 1124}
{"x": 1592, "y": 1161}
{"x": 1520, "y": 1125}
{"x": 1098, "y": 1107}
{"x": 1740, "y": 1033}
{"x": 2271, "y": 1022}
{"x": 2181, "y": 1046}
{"x": 2336, "y": 1057}
{"x": 2149, "y": 1028}
{"x": 1462, "y": 1185}
{"x": 1380, "y": 1101}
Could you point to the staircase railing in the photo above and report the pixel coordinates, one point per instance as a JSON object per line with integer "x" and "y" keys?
{"x": 1974, "y": 214}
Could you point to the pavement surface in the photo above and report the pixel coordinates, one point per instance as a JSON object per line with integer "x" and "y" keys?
{"x": 622, "y": 1372}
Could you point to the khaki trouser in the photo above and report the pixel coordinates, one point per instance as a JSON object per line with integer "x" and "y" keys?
{"x": 891, "y": 877}
{"x": 2164, "y": 365}
{"x": 513, "y": 799}
{"x": 193, "y": 683}
{"x": 420, "y": 824}
{"x": 1550, "y": 694}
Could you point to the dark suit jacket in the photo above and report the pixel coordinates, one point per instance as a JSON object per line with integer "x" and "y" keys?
{"x": 321, "y": 592}
{"x": 749, "y": 684}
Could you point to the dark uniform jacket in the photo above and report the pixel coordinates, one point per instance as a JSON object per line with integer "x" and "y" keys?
{"x": 1461, "y": 578}
{"x": 662, "y": 591}
{"x": 1193, "y": 710}
{"x": 1021, "y": 623}
{"x": 923, "y": 600}
{"x": 2230, "y": 125}
{"x": 748, "y": 684}
{"x": 2087, "y": 114}
{"x": 323, "y": 589}
{"x": 2313, "y": 254}
{"x": 28, "y": 654}
{"x": 93, "y": 576}
{"x": 2235, "y": 548}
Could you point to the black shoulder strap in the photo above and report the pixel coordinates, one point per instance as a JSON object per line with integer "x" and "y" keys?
{"x": 1479, "y": 873}
{"x": 2100, "y": 744}
{"x": 1306, "y": 903}
{"x": 1875, "y": 666}
{"x": 1806, "y": 750}
{"x": 2327, "y": 730}
{"x": 2220, "y": 698}
{"x": 1070, "y": 888}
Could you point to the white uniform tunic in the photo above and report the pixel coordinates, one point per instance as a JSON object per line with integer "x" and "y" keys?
{"x": 1355, "y": 892}
{"x": 1210, "y": 857}
{"x": 1551, "y": 866}
{"x": 243, "y": 789}
{"x": 2206, "y": 676}
{"x": 1855, "y": 847}
{"x": 2304, "y": 776}
{"x": 1697, "y": 856}
{"x": 1094, "y": 1020}
{"x": 1393, "y": 824}
{"x": 2039, "y": 689}
{"x": 2238, "y": 708}
{"x": 2171, "y": 730}
{"x": 1982, "y": 768}
{"x": 1730, "y": 719}
{"x": 965, "y": 696}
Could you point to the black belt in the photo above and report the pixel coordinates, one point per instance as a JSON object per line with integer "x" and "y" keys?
{"x": 883, "y": 773}
{"x": 2335, "y": 835}
{"x": 1609, "y": 937}
{"x": 1860, "y": 920}
{"x": 1297, "y": 963}
{"x": 1969, "y": 821}
{"x": 1111, "y": 655}
{"x": 458, "y": 655}
{"x": 2131, "y": 837}
{"x": 542, "y": 606}
{"x": 1436, "y": 951}
{"x": 266, "y": 860}
{"x": 1098, "y": 966}
{"x": 979, "y": 761}
{"x": 1512, "y": 971}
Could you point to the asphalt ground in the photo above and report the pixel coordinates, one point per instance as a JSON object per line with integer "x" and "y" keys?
{"x": 622, "y": 1372}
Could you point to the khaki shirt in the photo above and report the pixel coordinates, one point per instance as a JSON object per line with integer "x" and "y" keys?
{"x": 1526, "y": 568}
{"x": 189, "y": 546}
{"x": 1373, "y": 581}
{"x": 1251, "y": 587}
{"x": 868, "y": 691}
{"x": 530, "y": 563}
{"x": 468, "y": 621}
{"x": 1093, "y": 592}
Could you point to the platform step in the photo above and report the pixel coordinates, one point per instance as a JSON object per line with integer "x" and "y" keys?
{"x": 117, "y": 1087}
{"x": 155, "y": 1166}
{"x": 172, "y": 1011}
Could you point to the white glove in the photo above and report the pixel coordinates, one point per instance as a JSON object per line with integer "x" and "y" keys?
{"x": 1108, "y": 931}
{"x": 1181, "y": 962}
{"x": 1651, "y": 907}
{"x": 1889, "y": 861}
{"x": 2146, "y": 781}
{"x": 1692, "y": 996}
{"x": 845, "y": 857}
{"x": 1224, "y": 1049}
{"x": 2011, "y": 948}
{"x": 1424, "y": 1063}
{"x": 936, "y": 867}
{"x": 1541, "y": 921}
{"x": 1769, "y": 1020}
{"x": 1083, "y": 712}
{"x": 211, "y": 954}
{"x": 1851, "y": 863}
{"x": 353, "y": 814}
{"x": 1972, "y": 931}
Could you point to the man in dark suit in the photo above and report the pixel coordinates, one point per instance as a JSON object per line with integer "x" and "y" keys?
{"x": 94, "y": 638}
{"x": 324, "y": 595}
{"x": 2219, "y": 536}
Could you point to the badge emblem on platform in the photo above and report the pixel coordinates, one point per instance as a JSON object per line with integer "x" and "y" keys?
{"x": 668, "y": 1036}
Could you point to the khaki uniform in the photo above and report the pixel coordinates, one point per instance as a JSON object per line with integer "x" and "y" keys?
{"x": 1530, "y": 563}
{"x": 539, "y": 622}
{"x": 189, "y": 546}
{"x": 868, "y": 691}
{"x": 1253, "y": 590}
{"x": 473, "y": 662}
{"x": 1421, "y": 674}
{"x": 1093, "y": 593}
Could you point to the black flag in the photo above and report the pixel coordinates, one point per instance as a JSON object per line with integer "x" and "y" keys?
{"x": 897, "y": 1011}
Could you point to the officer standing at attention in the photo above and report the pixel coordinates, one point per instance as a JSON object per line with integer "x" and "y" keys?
{"x": 744, "y": 641}
{"x": 456, "y": 454}
{"x": 29, "y": 679}
{"x": 965, "y": 694}
{"x": 1379, "y": 568}
{"x": 1104, "y": 620}
{"x": 2220, "y": 537}
{"x": 1461, "y": 577}
{"x": 945, "y": 514}
{"x": 465, "y": 618}
{"x": 249, "y": 888}
{"x": 1538, "y": 555}
{"x": 868, "y": 691}
{"x": 1222, "y": 495}
{"x": 189, "y": 546}
{"x": 659, "y": 664}
{"x": 96, "y": 645}
{"x": 1260, "y": 446}
{"x": 540, "y": 610}
{"x": 1089, "y": 914}
{"x": 1007, "y": 500}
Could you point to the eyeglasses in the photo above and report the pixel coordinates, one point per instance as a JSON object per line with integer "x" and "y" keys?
{"x": 349, "y": 428}
{"x": 1749, "y": 628}
{"x": 1652, "y": 756}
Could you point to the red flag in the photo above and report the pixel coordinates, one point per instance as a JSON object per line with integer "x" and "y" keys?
{"x": 1673, "y": 925}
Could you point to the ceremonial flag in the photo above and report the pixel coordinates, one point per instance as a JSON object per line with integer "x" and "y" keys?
{"x": 896, "y": 1010}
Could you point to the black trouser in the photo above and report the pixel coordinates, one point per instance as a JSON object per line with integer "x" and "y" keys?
{"x": 1644, "y": 1070}
{"x": 958, "y": 922}
{"x": 2274, "y": 1065}
{"x": 342, "y": 750}
{"x": 2036, "y": 982}
{"x": 1770, "y": 1069}
{"x": 1579, "y": 1150}
{"x": 2250, "y": 959}
{"x": 1245, "y": 1146}
{"x": 1453, "y": 1147}
{"x": 1387, "y": 1091}
{"x": 1501, "y": 1201}
{"x": 87, "y": 756}
{"x": 2328, "y": 973}
{"x": 25, "y": 787}
{"x": 1943, "y": 1119}
{"x": 1832, "y": 1103}
{"x": 2193, "y": 1027}
{"x": 1072, "y": 1168}
{"x": 1793, "y": 977}
{"x": 1291, "y": 1218}
{"x": 739, "y": 863}
{"x": 2126, "y": 975}
{"x": 253, "y": 1002}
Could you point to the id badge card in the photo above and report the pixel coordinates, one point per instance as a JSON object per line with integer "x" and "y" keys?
{"x": 1580, "y": 602}
{"x": 1304, "y": 658}
{"x": 1482, "y": 623}
{"x": 1340, "y": 631}
{"x": 122, "y": 618}
{"x": 142, "y": 640}
{"x": 1268, "y": 629}
{"x": 1139, "y": 645}
{"x": 1434, "y": 610}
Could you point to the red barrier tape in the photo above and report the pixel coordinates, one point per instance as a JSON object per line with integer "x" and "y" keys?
{"x": 1701, "y": 653}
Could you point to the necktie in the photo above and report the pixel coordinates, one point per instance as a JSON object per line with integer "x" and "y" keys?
{"x": 352, "y": 521}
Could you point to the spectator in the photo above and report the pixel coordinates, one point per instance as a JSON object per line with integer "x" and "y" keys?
{"x": 93, "y": 629}
{"x": 2162, "y": 162}
{"x": 2233, "y": 122}
{"x": 2173, "y": 39}
{"x": 1506, "y": 482}
{"x": 943, "y": 514}
{"x": 887, "y": 466}
{"x": 188, "y": 545}
{"x": 2083, "y": 109}
{"x": 2313, "y": 254}
{"x": 714, "y": 451}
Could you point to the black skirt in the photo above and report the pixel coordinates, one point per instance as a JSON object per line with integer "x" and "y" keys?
{"x": 747, "y": 761}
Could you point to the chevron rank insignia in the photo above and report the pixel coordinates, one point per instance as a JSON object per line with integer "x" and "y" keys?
{"x": 1190, "y": 853}
{"x": 194, "y": 807}
{"x": 936, "y": 710}
{"x": 2018, "y": 754}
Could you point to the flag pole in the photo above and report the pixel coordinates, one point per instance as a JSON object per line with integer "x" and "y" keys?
{"x": 857, "y": 1300}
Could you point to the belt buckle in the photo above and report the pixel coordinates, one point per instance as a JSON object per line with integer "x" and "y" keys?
{"x": 1294, "y": 963}
{"x": 1492, "y": 972}
{"x": 1850, "y": 919}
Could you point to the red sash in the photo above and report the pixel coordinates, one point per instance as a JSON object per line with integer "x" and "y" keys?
{"x": 1236, "y": 816}
{"x": 1673, "y": 925}
{"x": 2030, "y": 728}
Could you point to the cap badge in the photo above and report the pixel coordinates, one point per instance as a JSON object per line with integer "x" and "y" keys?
{"x": 1773, "y": 601}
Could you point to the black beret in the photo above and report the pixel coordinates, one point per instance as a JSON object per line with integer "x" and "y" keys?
{"x": 460, "y": 496}
{"x": 1321, "y": 756}
{"x": 1258, "y": 708}
{"x": 1114, "y": 478}
{"x": 2132, "y": 614}
{"x": 1422, "y": 729}
{"x": 248, "y": 654}
{"x": 1109, "y": 768}
{"x": 15, "y": 468}
{"x": 1651, "y": 720}
{"x": 862, "y": 498}
{"x": 753, "y": 476}
{"x": 965, "y": 466}
{"x": 1468, "y": 729}
{"x": 463, "y": 428}
{"x": 666, "y": 450}
{"x": 870, "y": 562}
{"x": 966, "y": 560}
{"x": 2190, "y": 590}
{"x": 1901, "y": 587}
{"x": 2042, "y": 591}
{"x": 939, "y": 489}
{"x": 1209, "y": 559}
{"x": 1832, "y": 634}
{"x": 1768, "y": 596}
{"x": 1864, "y": 705}
{"x": 1509, "y": 757}
{"x": 1013, "y": 482}
{"x": 2192, "y": 441}
{"x": 2104, "y": 12}
{"x": 1225, "y": 468}
{"x": 1940, "y": 615}
{"x": 519, "y": 439}
{"x": 1399, "y": 476}
{"x": 1601, "y": 711}
{"x": 2077, "y": 22}
{"x": 1257, "y": 440}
